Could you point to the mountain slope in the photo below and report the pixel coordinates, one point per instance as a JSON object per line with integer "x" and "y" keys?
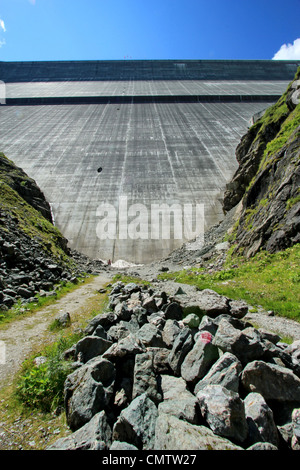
{"x": 266, "y": 184}
{"x": 33, "y": 253}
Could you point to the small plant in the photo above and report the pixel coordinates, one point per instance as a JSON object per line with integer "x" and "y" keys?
{"x": 291, "y": 202}
{"x": 41, "y": 386}
{"x": 59, "y": 324}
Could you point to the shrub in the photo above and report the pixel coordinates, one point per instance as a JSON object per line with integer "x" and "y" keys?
{"x": 41, "y": 386}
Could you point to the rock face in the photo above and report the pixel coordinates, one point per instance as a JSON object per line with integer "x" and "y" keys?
{"x": 154, "y": 382}
{"x": 136, "y": 423}
{"x": 34, "y": 256}
{"x": 95, "y": 435}
{"x": 260, "y": 419}
{"x": 26, "y": 187}
{"x": 266, "y": 184}
{"x": 88, "y": 391}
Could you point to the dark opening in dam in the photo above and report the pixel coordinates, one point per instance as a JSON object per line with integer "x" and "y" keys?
{"x": 133, "y": 156}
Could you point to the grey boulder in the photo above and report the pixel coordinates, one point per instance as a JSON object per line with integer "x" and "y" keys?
{"x": 178, "y": 400}
{"x": 106, "y": 320}
{"x": 246, "y": 345}
{"x": 262, "y": 446}
{"x": 225, "y": 371}
{"x": 224, "y": 412}
{"x": 87, "y": 391}
{"x": 181, "y": 347}
{"x": 174, "y": 311}
{"x": 136, "y": 423}
{"x": 117, "y": 445}
{"x": 145, "y": 380}
{"x": 172, "y": 433}
{"x": 91, "y": 346}
{"x": 262, "y": 427}
{"x": 94, "y": 435}
{"x": 273, "y": 382}
{"x": 128, "y": 346}
{"x": 151, "y": 336}
{"x": 170, "y": 331}
{"x": 200, "y": 359}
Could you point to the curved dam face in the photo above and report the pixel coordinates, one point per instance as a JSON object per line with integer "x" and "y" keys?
{"x": 133, "y": 156}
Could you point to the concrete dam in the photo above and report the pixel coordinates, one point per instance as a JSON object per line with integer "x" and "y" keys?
{"x": 133, "y": 156}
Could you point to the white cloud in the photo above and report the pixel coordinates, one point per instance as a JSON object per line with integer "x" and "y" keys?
{"x": 2, "y": 42}
{"x": 2, "y": 25}
{"x": 289, "y": 51}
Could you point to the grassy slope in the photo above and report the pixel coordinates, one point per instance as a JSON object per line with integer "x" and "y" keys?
{"x": 268, "y": 280}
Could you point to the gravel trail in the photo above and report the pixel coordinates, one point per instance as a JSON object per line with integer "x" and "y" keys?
{"x": 22, "y": 336}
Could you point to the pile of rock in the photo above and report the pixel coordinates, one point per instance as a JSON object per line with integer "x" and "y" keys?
{"x": 24, "y": 267}
{"x": 152, "y": 374}
{"x": 27, "y": 267}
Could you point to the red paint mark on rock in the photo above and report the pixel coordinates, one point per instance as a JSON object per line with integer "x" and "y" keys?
{"x": 206, "y": 337}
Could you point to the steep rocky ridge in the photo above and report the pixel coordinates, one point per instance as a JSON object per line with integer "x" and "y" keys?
{"x": 26, "y": 187}
{"x": 266, "y": 184}
{"x": 34, "y": 255}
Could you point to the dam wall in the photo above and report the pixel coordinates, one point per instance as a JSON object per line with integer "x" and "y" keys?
{"x": 133, "y": 156}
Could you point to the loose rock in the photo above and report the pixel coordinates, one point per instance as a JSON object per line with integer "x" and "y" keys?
{"x": 136, "y": 424}
{"x": 166, "y": 381}
{"x": 224, "y": 412}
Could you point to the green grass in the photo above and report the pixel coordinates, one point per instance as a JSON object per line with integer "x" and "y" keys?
{"x": 32, "y": 223}
{"x": 20, "y": 310}
{"x": 41, "y": 388}
{"x": 268, "y": 280}
{"x": 291, "y": 123}
{"x": 291, "y": 202}
{"x": 127, "y": 279}
{"x": 286, "y": 121}
{"x": 275, "y": 114}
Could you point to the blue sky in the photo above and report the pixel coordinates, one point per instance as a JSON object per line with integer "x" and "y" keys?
{"x": 152, "y": 29}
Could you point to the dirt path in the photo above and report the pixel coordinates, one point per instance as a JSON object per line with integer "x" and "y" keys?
{"x": 25, "y": 335}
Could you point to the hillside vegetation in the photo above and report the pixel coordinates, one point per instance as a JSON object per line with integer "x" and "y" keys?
{"x": 23, "y": 205}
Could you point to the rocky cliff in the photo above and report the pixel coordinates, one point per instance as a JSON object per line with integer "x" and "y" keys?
{"x": 265, "y": 188}
{"x": 24, "y": 186}
{"x": 34, "y": 255}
